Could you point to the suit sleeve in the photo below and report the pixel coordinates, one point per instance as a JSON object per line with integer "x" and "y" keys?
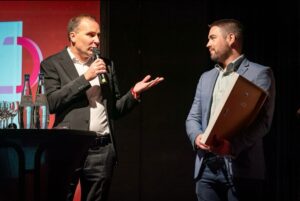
{"x": 122, "y": 104}
{"x": 59, "y": 96}
{"x": 194, "y": 118}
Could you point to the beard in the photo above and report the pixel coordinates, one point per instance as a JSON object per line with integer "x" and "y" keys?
{"x": 220, "y": 57}
{"x": 214, "y": 56}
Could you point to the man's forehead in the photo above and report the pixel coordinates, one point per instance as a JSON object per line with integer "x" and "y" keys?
{"x": 88, "y": 25}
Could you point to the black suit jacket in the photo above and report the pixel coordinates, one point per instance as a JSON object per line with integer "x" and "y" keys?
{"x": 66, "y": 94}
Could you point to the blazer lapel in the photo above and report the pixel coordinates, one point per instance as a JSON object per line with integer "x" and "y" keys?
{"x": 243, "y": 67}
{"x": 210, "y": 88}
{"x": 68, "y": 65}
{"x": 106, "y": 89}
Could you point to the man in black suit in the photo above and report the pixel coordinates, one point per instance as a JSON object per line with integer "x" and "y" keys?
{"x": 79, "y": 101}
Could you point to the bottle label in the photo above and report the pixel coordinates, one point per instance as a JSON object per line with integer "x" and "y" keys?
{"x": 41, "y": 99}
{"x": 26, "y": 101}
{"x": 41, "y": 116}
{"x": 25, "y": 117}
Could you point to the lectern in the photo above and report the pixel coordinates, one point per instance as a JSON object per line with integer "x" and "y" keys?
{"x": 38, "y": 164}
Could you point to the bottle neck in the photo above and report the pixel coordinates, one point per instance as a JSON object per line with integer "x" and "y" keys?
{"x": 26, "y": 89}
{"x": 41, "y": 87}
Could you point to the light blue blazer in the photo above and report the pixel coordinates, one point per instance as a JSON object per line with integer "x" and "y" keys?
{"x": 248, "y": 160}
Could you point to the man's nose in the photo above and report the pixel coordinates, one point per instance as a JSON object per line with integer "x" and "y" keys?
{"x": 207, "y": 44}
{"x": 97, "y": 40}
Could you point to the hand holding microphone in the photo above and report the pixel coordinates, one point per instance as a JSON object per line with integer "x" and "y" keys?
{"x": 102, "y": 78}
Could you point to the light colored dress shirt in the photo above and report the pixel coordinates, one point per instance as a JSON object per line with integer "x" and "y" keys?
{"x": 98, "y": 117}
{"x": 224, "y": 79}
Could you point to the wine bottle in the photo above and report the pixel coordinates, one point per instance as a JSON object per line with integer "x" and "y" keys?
{"x": 25, "y": 115}
{"x": 41, "y": 108}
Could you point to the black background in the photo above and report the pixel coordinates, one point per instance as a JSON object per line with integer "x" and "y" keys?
{"x": 168, "y": 38}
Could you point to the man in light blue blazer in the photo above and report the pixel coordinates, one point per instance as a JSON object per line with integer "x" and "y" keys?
{"x": 234, "y": 170}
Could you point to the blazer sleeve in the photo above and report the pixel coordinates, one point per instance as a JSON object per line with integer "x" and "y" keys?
{"x": 122, "y": 103}
{"x": 61, "y": 90}
{"x": 194, "y": 119}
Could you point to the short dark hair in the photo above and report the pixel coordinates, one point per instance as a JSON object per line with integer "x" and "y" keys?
{"x": 74, "y": 22}
{"x": 231, "y": 26}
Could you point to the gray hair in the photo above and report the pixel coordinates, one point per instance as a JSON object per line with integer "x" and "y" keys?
{"x": 75, "y": 21}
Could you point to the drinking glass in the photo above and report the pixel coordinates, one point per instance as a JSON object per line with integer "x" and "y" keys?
{"x": 13, "y": 110}
{"x": 1, "y": 114}
{"x": 4, "y": 113}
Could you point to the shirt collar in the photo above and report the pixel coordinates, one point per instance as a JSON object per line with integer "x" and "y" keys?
{"x": 77, "y": 61}
{"x": 231, "y": 67}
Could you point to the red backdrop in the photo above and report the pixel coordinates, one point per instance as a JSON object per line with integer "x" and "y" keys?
{"x": 45, "y": 23}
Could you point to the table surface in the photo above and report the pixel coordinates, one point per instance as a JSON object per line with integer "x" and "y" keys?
{"x": 39, "y": 163}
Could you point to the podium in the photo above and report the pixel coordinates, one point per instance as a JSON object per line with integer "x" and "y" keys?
{"x": 38, "y": 164}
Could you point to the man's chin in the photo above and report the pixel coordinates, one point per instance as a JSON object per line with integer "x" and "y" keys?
{"x": 89, "y": 53}
{"x": 214, "y": 59}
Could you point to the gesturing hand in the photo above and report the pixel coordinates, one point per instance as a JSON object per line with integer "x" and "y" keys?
{"x": 146, "y": 84}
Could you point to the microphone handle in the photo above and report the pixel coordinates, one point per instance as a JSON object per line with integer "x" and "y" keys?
{"x": 101, "y": 76}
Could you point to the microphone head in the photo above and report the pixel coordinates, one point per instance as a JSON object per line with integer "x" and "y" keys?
{"x": 96, "y": 51}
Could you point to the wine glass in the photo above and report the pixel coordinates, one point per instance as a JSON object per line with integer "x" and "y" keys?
{"x": 2, "y": 114}
{"x": 13, "y": 110}
{"x": 5, "y": 113}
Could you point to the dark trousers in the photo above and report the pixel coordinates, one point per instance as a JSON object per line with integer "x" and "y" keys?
{"x": 214, "y": 184}
{"x": 95, "y": 176}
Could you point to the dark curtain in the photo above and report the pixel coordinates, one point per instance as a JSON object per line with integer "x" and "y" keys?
{"x": 168, "y": 38}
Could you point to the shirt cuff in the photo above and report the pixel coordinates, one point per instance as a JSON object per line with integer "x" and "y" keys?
{"x": 134, "y": 94}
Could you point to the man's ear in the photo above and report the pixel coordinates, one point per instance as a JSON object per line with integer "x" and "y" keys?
{"x": 231, "y": 39}
{"x": 72, "y": 36}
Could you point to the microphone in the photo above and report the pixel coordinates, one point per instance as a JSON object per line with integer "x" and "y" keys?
{"x": 96, "y": 53}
